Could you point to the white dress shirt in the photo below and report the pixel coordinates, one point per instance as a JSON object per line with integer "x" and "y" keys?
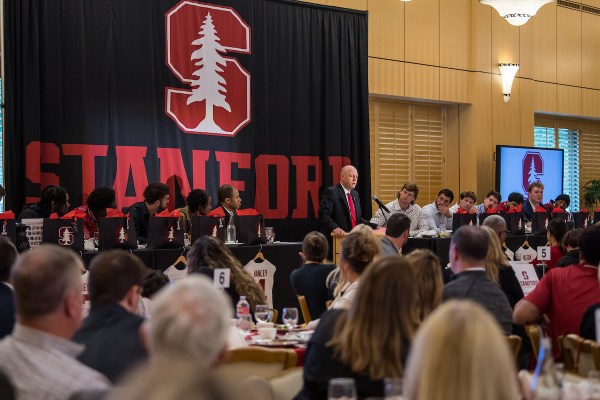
{"x": 418, "y": 223}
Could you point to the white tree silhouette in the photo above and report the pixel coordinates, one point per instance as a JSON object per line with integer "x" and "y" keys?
{"x": 66, "y": 237}
{"x": 532, "y": 174}
{"x": 170, "y": 237}
{"x": 210, "y": 85}
{"x": 122, "y": 235}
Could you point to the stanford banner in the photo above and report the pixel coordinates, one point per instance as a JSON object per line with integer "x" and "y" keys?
{"x": 270, "y": 96}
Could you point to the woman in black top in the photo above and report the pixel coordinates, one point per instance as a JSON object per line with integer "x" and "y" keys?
{"x": 370, "y": 341}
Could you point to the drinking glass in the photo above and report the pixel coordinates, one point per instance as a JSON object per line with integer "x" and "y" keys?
{"x": 290, "y": 317}
{"x": 270, "y": 234}
{"x": 262, "y": 313}
{"x": 393, "y": 388}
{"x": 244, "y": 323}
{"x": 341, "y": 389}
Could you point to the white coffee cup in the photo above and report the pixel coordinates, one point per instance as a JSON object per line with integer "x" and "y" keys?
{"x": 267, "y": 333}
{"x": 260, "y": 325}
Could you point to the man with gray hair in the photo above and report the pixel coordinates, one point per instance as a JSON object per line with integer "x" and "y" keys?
{"x": 498, "y": 224}
{"x": 191, "y": 318}
{"x": 39, "y": 357}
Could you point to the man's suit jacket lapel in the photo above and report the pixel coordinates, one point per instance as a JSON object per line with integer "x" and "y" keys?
{"x": 343, "y": 203}
{"x": 356, "y": 200}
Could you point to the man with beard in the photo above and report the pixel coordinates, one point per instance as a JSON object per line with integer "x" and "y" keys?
{"x": 156, "y": 199}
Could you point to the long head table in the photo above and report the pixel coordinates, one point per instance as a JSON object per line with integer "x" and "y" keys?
{"x": 284, "y": 256}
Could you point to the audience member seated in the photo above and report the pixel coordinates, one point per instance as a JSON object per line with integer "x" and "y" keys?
{"x": 405, "y": 204}
{"x": 39, "y": 357}
{"x": 513, "y": 202}
{"x": 492, "y": 199}
{"x": 97, "y": 202}
{"x": 309, "y": 279}
{"x": 198, "y": 202}
{"x": 587, "y": 329}
{"x": 535, "y": 198}
{"x": 459, "y": 353}
{"x": 208, "y": 253}
{"x": 465, "y": 202}
{"x": 154, "y": 280}
{"x": 156, "y": 199}
{"x": 564, "y": 294}
{"x": 358, "y": 250}
{"x": 557, "y": 230}
{"x": 229, "y": 202}
{"x": 337, "y": 215}
{"x": 396, "y": 234}
{"x": 562, "y": 201}
{"x": 8, "y": 256}
{"x": 188, "y": 337}
{"x": 53, "y": 199}
{"x": 370, "y": 341}
{"x": 570, "y": 243}
{"x": 428, "y": 280}
{"x": 111, "y": 333}
{"x": 468, "y": 250}
{"x": 7, "y": 390}
{"x": 498, "y": 225}
{"x": 437, "y": 214}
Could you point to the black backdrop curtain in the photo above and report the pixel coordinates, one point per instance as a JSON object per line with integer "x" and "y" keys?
{"x": 101, "y": 93}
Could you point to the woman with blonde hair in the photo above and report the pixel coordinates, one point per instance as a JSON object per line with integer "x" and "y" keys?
{"x": 208, "y": 254}
{"x": 459, "y": 353}
{"x": 359, "y": 248}
{"x": 428, "y": 280}
{"x": 370, "y": 341}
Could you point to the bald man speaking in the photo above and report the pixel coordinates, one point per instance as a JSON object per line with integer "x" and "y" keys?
{"x": 340, "y": 209}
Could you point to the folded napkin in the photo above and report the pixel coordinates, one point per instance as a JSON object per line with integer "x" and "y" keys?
{"x": 114, "y": 213}
{"x": 164, "y": 213}
{"x": 558, "y": 210}
{"x": 247, "y": 211}
{"x": 73, "y": 214}
{"x": 492, "y": 210}
{"x": 540, "y": 209}
{"x": 7, "y": 215}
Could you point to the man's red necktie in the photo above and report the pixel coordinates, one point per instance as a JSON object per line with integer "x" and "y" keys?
{"x": 352, "y": 210}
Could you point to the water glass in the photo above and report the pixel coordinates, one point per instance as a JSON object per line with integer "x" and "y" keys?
{"x": 290, "y": 317}
{"x": 270, "y": 234}
{"x": 341, "y": 389}
{"x": 244, "y": 323}
{"x": 393, "y": 388}
{"x": 262, "y": 313}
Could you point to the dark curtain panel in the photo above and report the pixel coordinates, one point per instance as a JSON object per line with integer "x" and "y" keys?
{"x": 108, "y": 93}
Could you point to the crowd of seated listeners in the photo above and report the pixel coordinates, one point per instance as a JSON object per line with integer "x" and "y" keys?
{"x": 377, "y": 314}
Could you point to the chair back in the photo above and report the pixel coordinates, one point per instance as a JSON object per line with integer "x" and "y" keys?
{"x": 243, "y": 362}
{"x": 275, "y": 315}
{"x": 288, "y": 383}
{"x": 304, "y": 307}
{"x": 534, "y": 334}
{"x": 514, "y": 342}
{"x": 579, "y": 355}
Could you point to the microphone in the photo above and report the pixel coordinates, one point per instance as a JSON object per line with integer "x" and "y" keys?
{"x": 380, "y": 204}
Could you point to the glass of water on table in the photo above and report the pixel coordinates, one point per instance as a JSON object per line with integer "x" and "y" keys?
{"x": 262, "y": 313}
{"x": 290, "y": 317}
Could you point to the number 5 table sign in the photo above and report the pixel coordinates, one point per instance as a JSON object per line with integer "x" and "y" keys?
{"x": 543, "y": 253}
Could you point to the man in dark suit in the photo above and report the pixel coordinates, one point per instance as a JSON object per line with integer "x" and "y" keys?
{"x": 112, "y": 332}
{"x": 535, "y": 192}
{"x": 340, "y": 209}
{"x": 468, "y": 249}
{"x": 8, "y": 255}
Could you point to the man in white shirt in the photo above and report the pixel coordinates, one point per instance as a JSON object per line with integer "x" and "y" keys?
{"x": 466, "y": 201}
{"x": 39, "y": 356}
{"x": 405, "y": 204}
{"x": 437, "y": 214}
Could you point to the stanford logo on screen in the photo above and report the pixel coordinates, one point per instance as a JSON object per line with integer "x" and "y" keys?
{"x": 199, "y": 38}
{"x": 532, "y": 169}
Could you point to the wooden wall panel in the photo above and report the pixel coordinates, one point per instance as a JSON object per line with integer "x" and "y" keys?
{"x": 354, "y": 4}
{"x": 544, "y": 38}
{"x": 481, "y": 26}
{"x": 526, "y": 111}
{"x": 422, "y": 81}
{"x": 452, "y": 141}
{"x": 386, "y": 77}
{"x": 455, "y": 34}
{"x": 568, "y": 46}
{"x": 422, "y": 33}
{"x": 526, "y": 55}
{"x": 506, "y": 121}
{"x": 544, "y": 95}
{"x": 505, "y": 42}
{"x": 455, "y": 85}
{"x": 386, "y": 29}
{"x": 590, "y": 102}
{"x": 568, "y": 100}
{"x": 590, "y": 50}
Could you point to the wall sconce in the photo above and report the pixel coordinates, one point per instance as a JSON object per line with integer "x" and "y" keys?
{"x": 508, "y": 72}
{"x": 516, "y": 12}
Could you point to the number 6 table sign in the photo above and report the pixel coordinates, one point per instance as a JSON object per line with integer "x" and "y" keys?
{"x": 543, "y": 253}
{"x": 221, "y": 278}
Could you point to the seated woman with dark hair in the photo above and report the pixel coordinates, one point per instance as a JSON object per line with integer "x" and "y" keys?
{"x": 208, "y": 254}
{"x": 571, "y": 245}
{"x": 557, "y": 230}
{"x": 370, "y": 341}
{"x": 309, "y": 279}
{"x": 53, "y": 199}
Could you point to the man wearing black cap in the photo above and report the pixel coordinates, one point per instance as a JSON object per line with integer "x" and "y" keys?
{"x": 396, "y": 234}
{"x": 562, "y": 201}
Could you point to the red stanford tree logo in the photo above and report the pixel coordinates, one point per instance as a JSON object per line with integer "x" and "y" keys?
{"x": 198, "y": 37}
{"x": 532, "y": 168}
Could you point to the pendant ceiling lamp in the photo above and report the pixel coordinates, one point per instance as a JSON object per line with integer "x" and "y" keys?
{"x": 516, "y": 12}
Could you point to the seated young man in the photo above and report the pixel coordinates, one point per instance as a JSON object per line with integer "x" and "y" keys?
{"x": 437, "y": 214}
{"x": 466, "y": 201}
{"x": 156, "y": 199}
{"x": 97, "y": 202}
{"x": 535, "y": 193}
{"x": 229, "y": 202}
{"x": 405, "y": 204}
{"x": 492, "y": 198}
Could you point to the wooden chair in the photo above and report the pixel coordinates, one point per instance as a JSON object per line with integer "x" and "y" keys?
{"x": 579, "y": 355}
{"x": 514, "y": 342}
{"x": 275, "y": 315}
{"x": 534, "y": 332}
{"x": 304, "y": 307}
{"x": 243, "y": 362}
{"x": 288, "y": 383}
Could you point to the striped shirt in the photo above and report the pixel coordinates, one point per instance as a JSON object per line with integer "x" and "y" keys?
{"x": 43, "y": 366}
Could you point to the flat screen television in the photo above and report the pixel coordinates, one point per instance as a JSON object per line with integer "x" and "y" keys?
{"x": 517, "y": 167}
